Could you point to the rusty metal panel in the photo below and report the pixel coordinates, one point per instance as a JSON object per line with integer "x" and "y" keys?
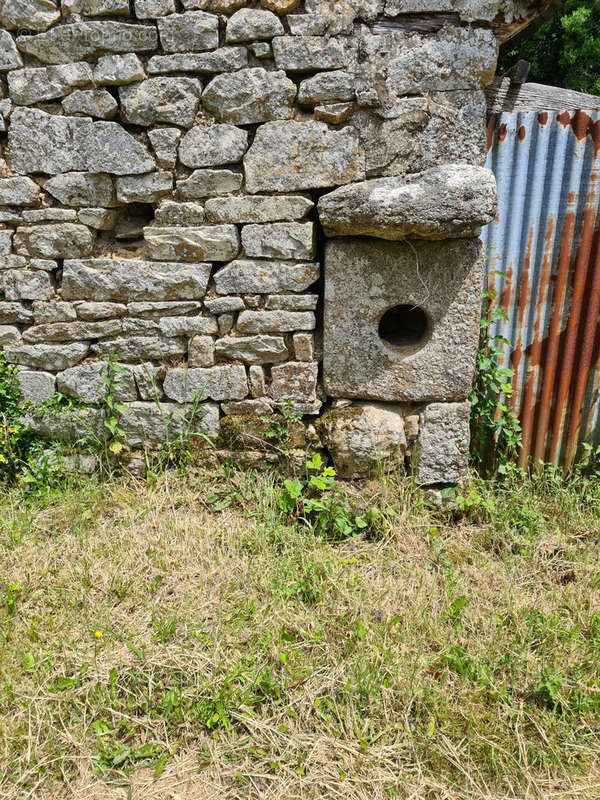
{"x": 545, "y": 243}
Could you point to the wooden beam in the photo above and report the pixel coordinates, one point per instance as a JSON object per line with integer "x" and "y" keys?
{"x": 502, "y": 95}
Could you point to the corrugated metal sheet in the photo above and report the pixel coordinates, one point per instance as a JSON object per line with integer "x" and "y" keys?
{"x": 545, "y": 241}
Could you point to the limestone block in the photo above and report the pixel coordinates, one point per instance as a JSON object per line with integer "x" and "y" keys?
{"x": 116, "y": 279}
{"x": 35, "y": 15}
{"x": 224, "y": 59}
{"x": 20, "y": 284}
{"x": 201, "y": 352}
{"x": 36, "y": 387}
{"x": 327, "y": 87}
{"x": 66, "y": 240}
{"x": 93, "y": 310}
{"x": 140, "y": 348}
{"x": 170, "y": 308}
{"x": 100, "y": 219}
{"x": 18, "y": 192}
{"x": 213, "y": 145}
{"x": 281, "y": 7}
{"x": 334, "y": 113}
{"x": 209, "y": 183}
{"x": 335, "y": 157}
{"x": 453, "y": 200}
{"x": 294, "y": 382}
{"x": 275, "y": 321}
{"x": 9, "y": 335}
{"x": 170, "y": 100}
{"x": 250, "y": 24}
{"x": 101, "y": 8}
{"x": 81, "y": 189}
{"x": 70, "y": 425}
{"x": 257, "y": 407}
{"x": 430, "y": 293}
{"x": 82, "y": 41}
{"x": 44, "y": 313}
{"x": 144, "y": 188}
{"x": 50, "y": 215}
{"x": 253, "y": 349}
{"x": 257, "y": 209}
{"x": 151, "y": 9}
{"x": 249, "y": 96}
{"x": 93, "y": 103}
{"x": 165, "y": 142}
{"x": 6, "y": 238}
{"x": 37, "y": 84}
{"x": 190, "y": 32}
{"x": 281, "y": 240}
{"x": 46, "y": 143}
{"x": 258, "y": 385}
{"x": 364, "y": 438}
{"x": 213, "y": 242}
{"x": 265, "y": 276}
{"x": 291, "y": 302}
{"x": 9, "y": 55}
{"x": 179, "y": 214}
{"x": 156, "y": 424}
{"x": 14, "y": 312}
{"x": 226, "y": 382}
{"x": 87, "y": 382}
{"x": 72, "y": 331}
{"x": 443, "y": 443}
{"x": 47, "y": 356}
{"x": 306, "y": 25}
{"x": 308, "y": 53}
{"x": 9, "y": 261}
{"x": 217, "y": 6}
{"x": 224, "y": 305}
{"x": 115, "y": 70}
{"x": 187, "y": 326}
{"x": 304, "y": 346}
{"x": 225, "y": 324}
{"x": 147, "y": 376}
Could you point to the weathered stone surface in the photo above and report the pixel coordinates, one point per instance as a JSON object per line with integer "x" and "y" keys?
{"x": 114, "y": 70}
{"x": 210, "y": 183}
{"x": 282, "y": 240}
{"x": 35, "y": 15}
{"x": 248, "y": 408}
{"x": 308, "y": 53}
{"x": 453, "y": 200}
{"x": 304, "y": 346}
{"x": 201, "y": 352}
{"x": 60, "y": 311}
{"x": 172, "y": 100}
{"x": 6, "y": 238}
{"x": 9, "y": 335}
{"x": 100, "y": 219}
{"x": 291, "y": 302}
{"x": 443, "y": 443}
{"x": 14, "y": 312}
{"x": 213, "y": 145}
{"x": 86, "y": 40}
{"x": 151, "y": 9}
{"x": 66, "y": 240}
{"x": 36, "y": 84}
{"x": 93, "y": 310}
{"x": 275, "y": 321}
{"x": 171, "y": 308}
{"x": 72, "y": 331}
{"x": 47, "y": 356}
{"x": 87, "y": 381}
{"x": 190, "y": 32}
{"x": 334, "y": 113}
{"x": 225, "y": 59}
{"x": 327, "y": 87}
{"x": 224, "y": 305}
{"x": 257, "y": 209}
{"x": 335, "y": 157}
{"x": 40, "y": 142}
{"x": 69, "y": 425}
{"x": 281, "y": 7}
{"x": 49, "y": 215}
{"x": 165, "y": 142}
{"x": 226, "y": 324}
{"x": 102, "y": 8}
{"x": 294, "y": 382}
{"x": 18, "y": 192}
{"x": 363, "y": 280}
{"x": 265, "y": 276}
{"x": 81, "y": 189}
{"x": 217, "y": 6}
{"x": 123, "y": 279}
{"x": 250, "y": 24}
{"x": 36, "y": 387}
{"x": 187, "y": 326}
{"x": 9, "y": 55}
{"x": 212, "y": 242}
{"x": 93, "y": 103}
{"x": 140, "y": 348}
{"x": 364, "y": 438}
{"x": 258, "y": 384}
{"x": 179, "y": 214}
{"x": 154, "y": 425}
{"x": 306, "y": 25}
{"x": 144, "y": 188}
{"x": 26, "y": 285}
{"x": 226, "y": 382}
{"x": 250, "y": 96}
{"x": 147, "y": 377}
{"x": 253, "y": 349}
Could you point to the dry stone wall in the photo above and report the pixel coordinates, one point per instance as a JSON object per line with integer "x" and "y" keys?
{"x": 177, "y": 175}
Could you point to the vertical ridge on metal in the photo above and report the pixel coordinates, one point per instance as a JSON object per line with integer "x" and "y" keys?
{"x": 543, "y": 262}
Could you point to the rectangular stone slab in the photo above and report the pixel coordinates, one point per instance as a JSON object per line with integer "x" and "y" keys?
{"x": 363, "y": 280}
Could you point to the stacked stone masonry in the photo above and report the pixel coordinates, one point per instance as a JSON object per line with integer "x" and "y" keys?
{"x": 230, "y": 195}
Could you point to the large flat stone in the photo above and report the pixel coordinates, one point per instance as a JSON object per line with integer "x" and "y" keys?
{"x": 257, "y": 209}
{"x": 275, "y": 321}
{"x": 171, "y": 100}
{"x": 309, "y": 53}
{"x": 87, "y": 382}
{"x": 18, "y": 192}
{"x": 47, "y": 356}
{"x": 335, "y": 157}
{"x": 128, "y": 280}
{"x": 262, "y": 277}
{"x": 453, "y": 200}
{"x": 363, "y": 280}
{"x": 228, "y": 382}
{"x": 250, "y": 96}
{"x": 224, "y": 59}
{"x": 213, "y": 145}
{"x": 37, "y": 84}
{"x": 211, "y": 242}
{"x": 141, "y": 348}
{"x": 253, "y": 349}
{"x": 253, "y": 24}
{"x": 82, "y": 190}
{"x": 191, "y": 32}
{"x": 210, "y": 183}
{"x": 66, "y": 240}
{"x": 443, "y": 443}
{"x": 158, "y": 424}
{"x": 281, "y": 240}
{"x": 35, "y": 15}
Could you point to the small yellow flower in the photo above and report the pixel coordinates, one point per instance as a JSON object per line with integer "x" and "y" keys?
{"x": 13, "y": 430}
{"x": 97, "y": 634}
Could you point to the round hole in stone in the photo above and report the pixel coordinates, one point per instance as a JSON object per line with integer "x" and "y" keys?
{"x": 404, "y": 326}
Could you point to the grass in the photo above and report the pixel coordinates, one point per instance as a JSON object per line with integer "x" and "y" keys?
{"x": 154, "y": 647}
